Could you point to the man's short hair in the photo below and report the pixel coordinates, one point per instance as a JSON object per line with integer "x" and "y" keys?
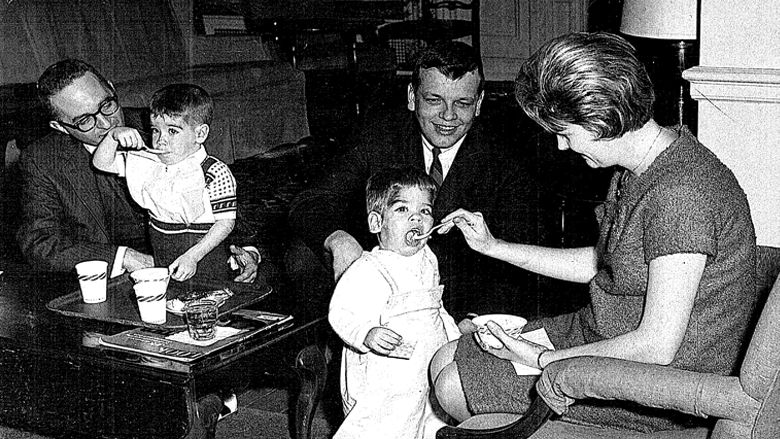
{"x": 188, "y": 101}
{"x": 384, "y": 185}
{"x": 60, "y": 75}
{"x": 592, "y": 80}
{"x": 452, "y": 58}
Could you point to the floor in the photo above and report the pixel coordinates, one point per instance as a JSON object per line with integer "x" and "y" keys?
{"x": 274, "y": 395}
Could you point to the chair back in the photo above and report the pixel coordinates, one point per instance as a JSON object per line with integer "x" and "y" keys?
{"x": 432, "y": 9}
{"x": 760, "y": 372}
{"x": 448, "y": 10}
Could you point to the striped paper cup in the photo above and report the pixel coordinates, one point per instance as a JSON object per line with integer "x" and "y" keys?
{"x": 92, "y": 280}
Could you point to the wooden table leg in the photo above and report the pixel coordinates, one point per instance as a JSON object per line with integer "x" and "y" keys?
{"x": 311, "y": 368}
{"x": 209, "y": 409}
{"x": 203, "y": 422}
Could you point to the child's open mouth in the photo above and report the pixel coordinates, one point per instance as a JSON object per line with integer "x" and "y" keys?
{"x": 413, "y": 236}
{"x": 416, "y": 234}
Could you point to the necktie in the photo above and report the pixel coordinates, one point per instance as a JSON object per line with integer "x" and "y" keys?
{"x": 435, "y": 171}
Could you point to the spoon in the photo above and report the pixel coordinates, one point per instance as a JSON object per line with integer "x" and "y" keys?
{"x": 417, "y": 237}
{"x": 144, "y": 149}
{"x": 152, "y": 151}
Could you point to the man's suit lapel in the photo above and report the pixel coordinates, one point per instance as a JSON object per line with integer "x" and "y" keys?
{"x": 464, "y": 172}
{"x": 75, "y": 160}
{"x": 413, "y": 144}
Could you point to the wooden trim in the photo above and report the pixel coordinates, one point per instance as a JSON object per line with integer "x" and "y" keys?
{"x": 735, "y": 84}
{"x": 502, "y": 69}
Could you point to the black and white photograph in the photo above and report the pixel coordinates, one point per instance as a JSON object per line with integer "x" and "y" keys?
{"x": 389, "y": 219}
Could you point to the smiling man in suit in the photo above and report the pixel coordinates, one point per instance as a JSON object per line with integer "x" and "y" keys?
{"x": 71, "y": 212}
{"x": 440, "y": 134}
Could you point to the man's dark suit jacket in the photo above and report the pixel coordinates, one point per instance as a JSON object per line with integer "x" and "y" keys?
{"x": 72, "y": 212}
{"x": 486, "y": 176}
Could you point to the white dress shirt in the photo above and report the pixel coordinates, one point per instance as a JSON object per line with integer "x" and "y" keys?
{"x": 446, "y": 157}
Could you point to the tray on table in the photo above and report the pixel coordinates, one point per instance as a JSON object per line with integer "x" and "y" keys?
{"x": 121, "y": 306}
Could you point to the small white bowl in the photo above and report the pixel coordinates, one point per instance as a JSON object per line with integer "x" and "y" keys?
{"x": 152, "y": 274}
{"x": 510, "y": 323}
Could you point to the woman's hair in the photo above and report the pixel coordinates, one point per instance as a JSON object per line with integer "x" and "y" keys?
{"x": 383, "y": 187}
{"x": 593, "y": 80}
{"x": 60, "y": 75}
{"x": 188, "y": 101}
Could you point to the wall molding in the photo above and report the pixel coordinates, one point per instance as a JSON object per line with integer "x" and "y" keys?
{"x": 735, "y": 84}
{"x": 501, "y": 68}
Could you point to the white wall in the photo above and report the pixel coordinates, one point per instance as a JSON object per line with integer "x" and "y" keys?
{"x": 737, "y": 86}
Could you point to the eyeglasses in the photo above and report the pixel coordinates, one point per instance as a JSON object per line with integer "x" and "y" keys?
{"x": 88, "y": 122}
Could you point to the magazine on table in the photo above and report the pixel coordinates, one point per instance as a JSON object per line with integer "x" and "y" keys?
{"x": 176, "y": 344}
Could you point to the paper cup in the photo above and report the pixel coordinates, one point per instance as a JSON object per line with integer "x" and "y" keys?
{"x": 152, "y": 274}
{"x": 92, "y": 280}
{"x": 150, "y": 287}
{"x": 151, "y": 301}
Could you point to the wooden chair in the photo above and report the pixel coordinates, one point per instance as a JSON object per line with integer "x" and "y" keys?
{"x": 437, "y": 22}
{"x": 744, "y": 406}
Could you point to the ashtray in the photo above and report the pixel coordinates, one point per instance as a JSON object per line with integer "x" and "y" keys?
{"x": 176, "y": 306}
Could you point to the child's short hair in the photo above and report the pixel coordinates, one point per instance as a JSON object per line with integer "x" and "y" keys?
{"x": 383, "y": 187}
{"x": 188, "y": 101}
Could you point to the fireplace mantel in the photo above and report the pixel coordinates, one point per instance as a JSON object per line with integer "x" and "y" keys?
{"x": 736, "y": 84}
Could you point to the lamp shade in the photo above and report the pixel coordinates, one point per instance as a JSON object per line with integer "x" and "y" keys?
{"x": 660, "y": 19}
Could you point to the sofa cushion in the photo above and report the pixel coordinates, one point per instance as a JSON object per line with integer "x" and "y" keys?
{"x": 257, "y": 105}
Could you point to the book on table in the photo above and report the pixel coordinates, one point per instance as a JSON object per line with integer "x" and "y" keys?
{"x": 176, "y": 344}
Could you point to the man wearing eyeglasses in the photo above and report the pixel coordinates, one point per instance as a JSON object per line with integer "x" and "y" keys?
{"x": 72, "y": 212}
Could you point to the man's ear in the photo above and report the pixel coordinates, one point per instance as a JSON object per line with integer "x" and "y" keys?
{"x": 53, "y": 124}
{"x": 374, "y": 222}
{"x": 410, "y": 98}
{"x": 201, "y": 133}
{"x": 479, "y": 102}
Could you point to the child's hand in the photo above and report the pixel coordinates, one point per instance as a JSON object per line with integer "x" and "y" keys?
{"x": 183, "y": 268}
{"x": 128, "y": 138}
{"x": 382, "y": 340}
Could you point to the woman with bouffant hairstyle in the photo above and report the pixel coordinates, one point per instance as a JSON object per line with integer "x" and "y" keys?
{"x": 672, "y": 275}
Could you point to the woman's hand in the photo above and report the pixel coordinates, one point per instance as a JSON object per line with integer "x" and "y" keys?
{"x": 518, "y": 350}
{"x": 473, "y": 227}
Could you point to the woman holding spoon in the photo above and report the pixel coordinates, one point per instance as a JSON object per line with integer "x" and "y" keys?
{"x": 671, "y": 277}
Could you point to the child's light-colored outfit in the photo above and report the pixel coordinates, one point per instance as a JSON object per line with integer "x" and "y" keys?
{"x": 388, "y": 397}
{"x": 183, "y": 200}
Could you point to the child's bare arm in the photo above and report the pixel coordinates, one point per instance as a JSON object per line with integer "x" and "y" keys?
{"x": 105, "y": 154}
{"x": 185, "y": 266}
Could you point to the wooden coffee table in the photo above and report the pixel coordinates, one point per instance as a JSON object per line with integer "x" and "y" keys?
{"x": 58, "y": 381}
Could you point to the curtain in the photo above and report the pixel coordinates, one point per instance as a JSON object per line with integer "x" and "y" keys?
{"x": 124, "y": 39}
